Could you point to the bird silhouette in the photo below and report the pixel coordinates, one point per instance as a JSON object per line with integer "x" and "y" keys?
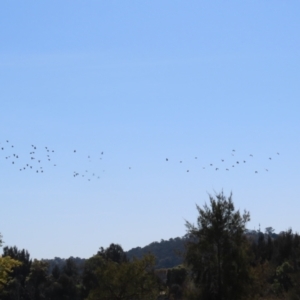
{"x": 35, "y": 157}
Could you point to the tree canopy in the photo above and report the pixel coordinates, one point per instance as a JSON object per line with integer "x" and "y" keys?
{"x": 217, "y": 251}
{"x": 109, "y": 275}
{"x": 6, "y": 267}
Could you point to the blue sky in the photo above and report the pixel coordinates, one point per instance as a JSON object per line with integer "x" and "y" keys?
{"x": 141, "y": 82}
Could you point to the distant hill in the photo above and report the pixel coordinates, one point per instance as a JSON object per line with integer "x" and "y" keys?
{"x": 168, "y": 253}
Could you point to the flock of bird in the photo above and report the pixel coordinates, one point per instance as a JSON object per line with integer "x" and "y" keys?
{"x": 230, "y": 164}
{"x": 39, "y": 159}
{"x": 32, "y": 162}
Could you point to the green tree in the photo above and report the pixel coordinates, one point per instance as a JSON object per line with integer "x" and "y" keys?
{"x": 37, "y": 279}
{"x": 114, "y": 253}
{"x": 7, "y": 264}
{"x": 217, "y": 252}
{"x": 114, "y": 277}
{"x": 176, "y": 278}
{"x": 282, "y": 281}
{"x": 16, "y": 287}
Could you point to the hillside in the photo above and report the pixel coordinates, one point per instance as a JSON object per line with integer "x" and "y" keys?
{"x": 168, "y": 253}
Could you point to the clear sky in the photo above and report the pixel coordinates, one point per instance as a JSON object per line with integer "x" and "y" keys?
{"x": 142, "y": 82}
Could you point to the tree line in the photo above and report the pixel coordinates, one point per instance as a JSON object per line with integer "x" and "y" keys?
{"x": 221, "y": 260}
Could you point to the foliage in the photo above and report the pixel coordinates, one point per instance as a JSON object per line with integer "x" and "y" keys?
{"x": 106, "y": 278}
{"x": 114, "y": 253}
{"x": 176, "y": 278}
{"x": 64, "y": 283}
{"x": 218, "y": 254}
{"x": 37, "y": 279}
{"x": 15, "y": 289}
{"x": 7, "y": 264}
{"x": 282, "y": 281}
